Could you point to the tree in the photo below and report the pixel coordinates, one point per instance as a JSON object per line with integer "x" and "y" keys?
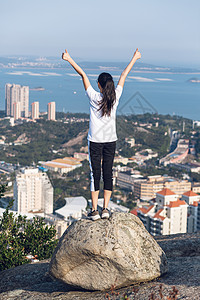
{"x": 20, "y": 237}
{"x": 2, "y": 190}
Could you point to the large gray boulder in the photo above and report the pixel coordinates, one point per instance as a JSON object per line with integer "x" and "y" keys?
{"x": 116, "y": 252}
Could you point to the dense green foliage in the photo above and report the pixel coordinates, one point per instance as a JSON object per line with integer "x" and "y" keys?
{"x": 20, "y": 237}
{"x": 43, "y": 138}
{"x": 154, "y": 138}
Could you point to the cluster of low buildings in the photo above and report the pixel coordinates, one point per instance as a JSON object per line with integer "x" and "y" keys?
{"x": 168, "y": 213}
{"x": 165, "y": 205}
{"x": 145, "y": 189}
{"x": 141, "y": 156}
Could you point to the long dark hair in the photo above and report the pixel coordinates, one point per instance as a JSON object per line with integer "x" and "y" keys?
{"x": 108, "y": 90}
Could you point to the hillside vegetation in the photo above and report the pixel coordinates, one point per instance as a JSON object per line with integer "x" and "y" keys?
{"x": 46, "y": 140}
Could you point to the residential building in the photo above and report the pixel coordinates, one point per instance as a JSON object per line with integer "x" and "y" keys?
{"x": 15, "y": 93}
{"x": 17, "y": 110}
{"x": 196, "y": 187}
{"x": 59, "y": 222}
{"x": 8, "y": 99}
{"x": 125, "y": 181}
{"x": 24, "y": 100}
{"x": 35, "y": 110}
{"x": 51, "y": 111}
{"x": 121, "y": 159}
{"x": 33, "y": 192}
{"x": 198, "y": 217}
{"x": 146, "y": 189}
{"x": 81, "y": 156}
{"x": 142, "y": 156}
{"x": 192, "y": 199}
{"x": 167, "y": 215}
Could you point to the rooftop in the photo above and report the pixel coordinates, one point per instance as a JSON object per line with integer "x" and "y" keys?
{"x": 176, "y": 203}
{"x": 65, "y": 162}
{"x": 73, "y": 206}
{"x": 158, "y": 216}
{"x": 190, "y": 194}
{"x": 166, "y": 192}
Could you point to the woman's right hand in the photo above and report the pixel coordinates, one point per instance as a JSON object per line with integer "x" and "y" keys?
{"x": 137, "y": 54}
{"x": 65, "y": 55}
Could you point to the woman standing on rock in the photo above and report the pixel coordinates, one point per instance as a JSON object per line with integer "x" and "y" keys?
{"x": 102, "y": 130}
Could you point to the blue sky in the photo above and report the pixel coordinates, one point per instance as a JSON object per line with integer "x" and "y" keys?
{"x": 166, "y": 32}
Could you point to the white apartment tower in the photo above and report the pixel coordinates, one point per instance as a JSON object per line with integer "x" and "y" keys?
{"x": 16, "y": 110}
{"x": 52, "y": 111}
{"x": 15, "y": 93}
{"x": 33, "y": 192}
{"x": 8, "y": 99}
{"x": 24, "y": 100}
{"x": 35, "y": 110}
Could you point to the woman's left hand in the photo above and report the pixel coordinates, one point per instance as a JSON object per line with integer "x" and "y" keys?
{"x": 137, "y": 54}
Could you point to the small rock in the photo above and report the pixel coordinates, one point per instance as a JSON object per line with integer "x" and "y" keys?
{"x": 14, "y": 293}
{"x": 98, "y": 255}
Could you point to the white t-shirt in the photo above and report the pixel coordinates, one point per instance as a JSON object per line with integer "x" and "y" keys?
{"x": 102, "y": 129}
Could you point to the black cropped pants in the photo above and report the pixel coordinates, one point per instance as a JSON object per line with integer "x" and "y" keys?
{"x": 101, "y": 157}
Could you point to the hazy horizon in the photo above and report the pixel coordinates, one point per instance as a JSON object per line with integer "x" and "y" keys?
{"x": 82, "y": 60}
{"x": 166, "y": 33}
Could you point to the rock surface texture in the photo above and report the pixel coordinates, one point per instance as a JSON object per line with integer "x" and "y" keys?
{"x": 32, "y": 282}
{"x": 116, "y": 252}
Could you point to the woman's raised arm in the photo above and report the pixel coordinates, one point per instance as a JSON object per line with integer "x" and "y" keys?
{"x": 78, "y": 69}
{"x": 124, "y": 74}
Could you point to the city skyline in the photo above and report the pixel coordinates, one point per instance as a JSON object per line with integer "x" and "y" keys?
{"x": 17, "y": 104}
{"x": 16, "y": 100}
{"x": 165, "y": 33}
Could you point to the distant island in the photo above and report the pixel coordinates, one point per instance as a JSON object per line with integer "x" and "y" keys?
{"x": 39, "y": 88}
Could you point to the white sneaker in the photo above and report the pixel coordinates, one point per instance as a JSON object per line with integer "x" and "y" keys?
{"x": 105, "y": 214}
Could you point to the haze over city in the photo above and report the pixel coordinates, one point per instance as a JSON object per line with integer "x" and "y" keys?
{"x": 167, "y": 33}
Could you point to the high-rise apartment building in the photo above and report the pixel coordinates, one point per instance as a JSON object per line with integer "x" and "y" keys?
{"x": 35, "y": 110}
{"x": 16, "y": 110}
{"x": 15, "y": 93}
{"x": 24, "y": 99}
{"x": 33, "y": 192}
{"x": 8, "y": 99}
{"x": 52, "y": 111}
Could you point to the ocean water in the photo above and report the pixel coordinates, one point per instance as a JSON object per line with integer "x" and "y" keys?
{"x": 164, "y": 92}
